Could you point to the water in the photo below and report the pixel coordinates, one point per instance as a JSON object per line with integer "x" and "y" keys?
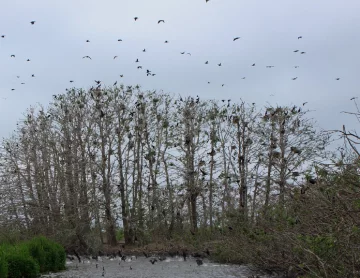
{"x": 141, "y": 267}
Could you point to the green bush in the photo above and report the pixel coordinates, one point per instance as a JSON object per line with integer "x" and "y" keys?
{"x": 21, "y": 264}
{"x": 49, "y": 255}
{"x": 3, "y": 264}
{"x": 119, "y": 234}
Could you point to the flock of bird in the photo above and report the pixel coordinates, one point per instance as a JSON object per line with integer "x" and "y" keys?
{"x": 129, "y": 258}
{"x": 149, "y": 72}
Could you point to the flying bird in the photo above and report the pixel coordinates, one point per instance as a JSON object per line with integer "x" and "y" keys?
{"x": 33, "y": 75}
{"x": 302, "y": 52}
{"x": 161, "y": 20}
{"x": 297, "y": 50}
{"x": 166, "y": 42}
{"x": 236, "y": 38}
{"x": 137, "y": 61}
{"x": 207, "y": 1}
{"x": 87, "y": 41}
{"x": 243, "y": 78}
{"x": 12, "y": 55}
{"x": 144, "y": 50}
{"x": 88, "y": 57}
{"x": 115, "y": 57}
{"x": 182, "y": 52}
{"x": 12, "y": 89}
{"x": 28, "y": 60}
{"x": 222, "y": 85}
{"x": 338, "y": 78}
{"x": 22, "y": 83}
{"x": 71, "y": 81}
{"x": 189, "y": 54}
{"x": 304, "y": 103}
{"x": 219, "y": 65}
{"x": 294, "y": 78}
{"x": 121, "y": 75}
{"x": 207, "y": 62}
{"x": 3, "y": 36}
{"x": 97, "y": 82}
{"x": 353, "y": 98}
{"x": 253, "y": 65}
{"x": 296, "y": 67}
{"x": 136, "y": 18}
{"x": 300, "y": 37}
{"x": 115, "y": 83}
{"x": 119, "y": 40}
{"x": 139, "y": 67}
{"x": 32, "y": 22}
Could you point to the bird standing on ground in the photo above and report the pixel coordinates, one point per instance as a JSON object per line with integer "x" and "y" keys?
{"x": 199, "y": 262}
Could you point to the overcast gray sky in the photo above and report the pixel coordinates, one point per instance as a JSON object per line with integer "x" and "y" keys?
{"x": 269, "y": 32}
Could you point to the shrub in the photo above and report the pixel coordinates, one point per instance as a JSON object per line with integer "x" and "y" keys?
{"x": 3, "y": 264}
{"x": 21, "y": 264}
{"x": 120, "y": 234}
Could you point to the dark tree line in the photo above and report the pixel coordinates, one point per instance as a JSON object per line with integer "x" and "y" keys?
{"x": 151, "y": 163}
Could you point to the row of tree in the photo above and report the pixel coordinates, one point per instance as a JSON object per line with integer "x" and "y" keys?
{"x": 148, "y": 161}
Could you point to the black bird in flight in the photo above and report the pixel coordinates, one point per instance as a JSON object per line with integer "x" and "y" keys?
{"x": 219, "y": 65}
{"x": 182, "y": 52}
{"x": 115, "y": 57}
{"x": 144, "y": 50}
{"x": 297, "y": 50}
{"x": 12, "y": 89}
{"x": 207, "y": 62}
{"x": 119, "y": 40}
{"x": 87, "y": 41}
{"x": 33, "y": 75}
{"x": 222, "y": 85}
{"x": 300, "y": 37}
{"x": 3, "y": 36}
{"x": 304, "y": 103}
{"x": 121, "y": 75}
{"x": 353, "y": 98}
{"x": 136, "y": 18}
{"x": 296, "y": 67}
{"x": 22, "y": 83}
{"x": 294, "y": 78}
{"x": 139, "y": 67}
{"x": 115, "y": 83}
{"x": 166, "y": 42}
{"x": 338, "y": 78}
{"x": 243, "y": 78}
{"x": 28, "y": 60}
{"x": 161, "y": 20}
{"x": 253, "y": 65}
{"x": 97, "y": 82}
{"x": 71, "y": 81}
{"x": 137, "y": 61}
{"x": 88, "y": 57}
{"x": 302, "y": 52}
{"x": 207, "y": 1}
{"x": 236, "y": 38}
{"x": 208, "y": 82}
{"x": 12, "y": 55}
{"x": 32, "y": 22}
{"x": 189, "y": 54}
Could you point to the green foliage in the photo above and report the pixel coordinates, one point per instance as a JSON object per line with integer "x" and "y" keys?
{"x": 49, "y": 255}
{"x": 120, "y": 234}
{"x": 3, "y": 264}
{"x": 20, "y": 264}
